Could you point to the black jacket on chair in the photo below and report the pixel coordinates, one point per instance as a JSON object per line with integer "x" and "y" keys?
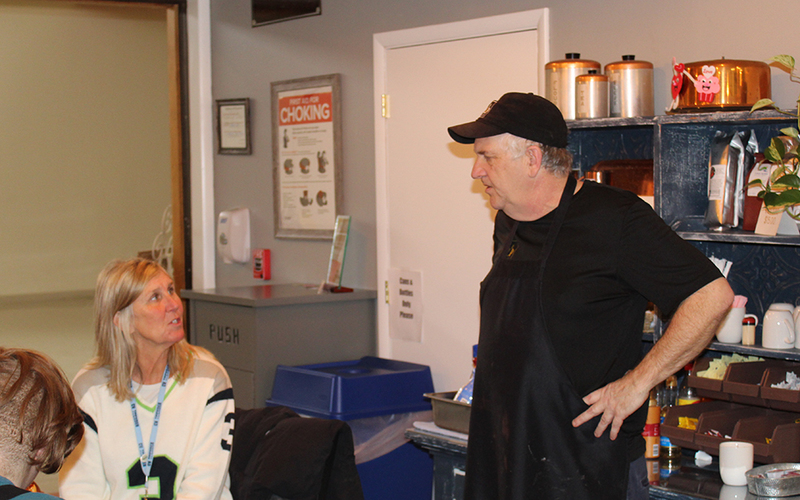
{"x": 279, "y": 455}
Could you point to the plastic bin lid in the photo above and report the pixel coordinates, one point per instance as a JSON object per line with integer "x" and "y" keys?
{"x": 348, "y": 390}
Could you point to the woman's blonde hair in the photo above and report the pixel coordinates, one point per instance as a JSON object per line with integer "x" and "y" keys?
{"x": 119, "y": 284}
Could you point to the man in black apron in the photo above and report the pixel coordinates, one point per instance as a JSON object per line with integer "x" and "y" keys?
{"x": 560, "y": 387}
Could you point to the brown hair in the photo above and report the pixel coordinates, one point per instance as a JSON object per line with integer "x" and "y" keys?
{"x": 119, "y": 284}
{"x": 39, "y": 408}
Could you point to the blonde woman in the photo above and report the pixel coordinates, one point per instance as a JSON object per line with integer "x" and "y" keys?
{"x": 158, "y": 411}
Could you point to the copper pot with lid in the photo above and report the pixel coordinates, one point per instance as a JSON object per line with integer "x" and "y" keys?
{"x": 723, "y": 84}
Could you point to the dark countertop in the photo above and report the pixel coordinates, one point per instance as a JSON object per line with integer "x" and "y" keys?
{"x": 693, "y": 482}
{"x": 689, "y": 482}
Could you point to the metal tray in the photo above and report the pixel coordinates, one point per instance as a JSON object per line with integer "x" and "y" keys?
{"x": 448, "y": 413}
{"x": 766, "y": 487}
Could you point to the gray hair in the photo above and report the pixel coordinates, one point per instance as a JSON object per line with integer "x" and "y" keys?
{"x": 557, "y": 161}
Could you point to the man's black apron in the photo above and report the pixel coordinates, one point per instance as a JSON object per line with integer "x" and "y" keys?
{"x": 521, "y": 442}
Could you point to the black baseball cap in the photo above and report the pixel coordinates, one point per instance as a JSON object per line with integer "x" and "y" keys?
{"x": 525, "y": 115}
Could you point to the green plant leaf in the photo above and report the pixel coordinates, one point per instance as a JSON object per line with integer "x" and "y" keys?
{"x": 762, "y": 103}
{"x": 770, "y": 199}
{"x": 790, "y": 181}
{"x": 784, "y": 60}
{"x": 788, "y": 198}
{"x": 773, "y": 154}
{"x": 791, "y": 132}
{"x": 756, "y": 183}
{"x": 779, "y": 145}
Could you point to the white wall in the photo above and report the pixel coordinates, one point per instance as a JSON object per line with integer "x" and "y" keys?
{"x": 84, "y": 133}
{"x": 247, "y": 59}
{"x": 85, "y": 163}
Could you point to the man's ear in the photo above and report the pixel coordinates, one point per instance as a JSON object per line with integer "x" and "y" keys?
{"x": 533, "y": 155}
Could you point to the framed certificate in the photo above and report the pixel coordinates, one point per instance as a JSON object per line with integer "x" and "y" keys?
{"x": 233, "y": 126}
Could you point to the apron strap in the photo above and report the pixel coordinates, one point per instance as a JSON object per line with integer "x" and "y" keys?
{"x": 558, "y": 219}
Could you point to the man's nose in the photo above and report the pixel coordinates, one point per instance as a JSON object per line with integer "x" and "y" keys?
{"x": 477, "y": 169}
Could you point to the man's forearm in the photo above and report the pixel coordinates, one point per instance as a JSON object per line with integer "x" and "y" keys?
{"x": 691, "y": 329}
{"x": 692, "y": 326}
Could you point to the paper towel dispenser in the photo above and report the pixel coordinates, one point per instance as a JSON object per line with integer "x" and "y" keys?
{"x": 233, "y": 235}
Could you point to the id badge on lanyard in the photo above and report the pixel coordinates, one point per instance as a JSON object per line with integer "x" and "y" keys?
{"x": 146, "y": 460}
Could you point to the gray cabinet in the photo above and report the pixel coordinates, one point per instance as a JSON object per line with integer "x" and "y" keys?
{"x": 251, "y": 330}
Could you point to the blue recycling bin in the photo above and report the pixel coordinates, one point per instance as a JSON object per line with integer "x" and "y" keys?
{"x": 366, "y": 393}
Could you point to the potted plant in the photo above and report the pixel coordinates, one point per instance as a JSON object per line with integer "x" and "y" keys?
{"x": 782, "y": 190}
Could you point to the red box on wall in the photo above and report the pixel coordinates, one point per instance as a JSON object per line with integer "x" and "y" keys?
{"x": 261, "y": 264}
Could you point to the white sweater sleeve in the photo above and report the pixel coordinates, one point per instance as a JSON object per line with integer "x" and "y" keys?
{"x": 206, "y": 475}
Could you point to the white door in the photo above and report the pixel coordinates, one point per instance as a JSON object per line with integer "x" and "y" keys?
{"x": 433, "y": 219}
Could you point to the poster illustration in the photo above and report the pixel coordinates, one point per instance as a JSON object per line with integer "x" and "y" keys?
{"x": 306, "y": 153}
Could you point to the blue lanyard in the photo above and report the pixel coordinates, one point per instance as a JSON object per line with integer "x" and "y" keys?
{"x": 147, "y": 460}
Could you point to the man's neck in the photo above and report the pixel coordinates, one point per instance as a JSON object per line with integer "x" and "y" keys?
{"x": 544, "y": 197}
{"x": 21, "y": 474}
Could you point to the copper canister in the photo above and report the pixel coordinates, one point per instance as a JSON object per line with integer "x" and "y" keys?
{"x": 630, "y": 87}
{"x": 591, "y": 95}
{"x": 724, "y": 84}
{"x": 560, "y": 81}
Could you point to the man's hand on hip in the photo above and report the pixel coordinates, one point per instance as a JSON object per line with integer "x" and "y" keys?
{"x": 614, "y": 402}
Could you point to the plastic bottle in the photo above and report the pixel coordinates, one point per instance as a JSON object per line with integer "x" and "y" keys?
{"x": 669, "y": 399}
{"x": 652, "y": 427}
{"x": 465, "y": 393}
{"x": 687, "y": 395}
{"x": 653, "y": 471}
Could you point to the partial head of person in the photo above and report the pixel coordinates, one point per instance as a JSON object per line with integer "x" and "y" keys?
{"x": 519, "y": 138}
{"x": 137, "y": 313}
{"x": 40, "y": 423}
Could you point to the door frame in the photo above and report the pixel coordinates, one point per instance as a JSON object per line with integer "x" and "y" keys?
{"x": 537, "y": 19}
{"x": 188, "y": 34}
{"x": 191, "y": 62}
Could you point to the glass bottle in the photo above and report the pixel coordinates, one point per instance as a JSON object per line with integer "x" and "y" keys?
{"x": 652, "y": 427}
{"x": 687, "y": 394}
{"x": 669, "y": 398}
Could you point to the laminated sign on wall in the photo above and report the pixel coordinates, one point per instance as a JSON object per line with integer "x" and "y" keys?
{"x": 306, "y": 156}
{"x": 405, "y": 305}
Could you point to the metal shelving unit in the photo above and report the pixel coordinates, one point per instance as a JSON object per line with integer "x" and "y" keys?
{"x": 765, "y": 269}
